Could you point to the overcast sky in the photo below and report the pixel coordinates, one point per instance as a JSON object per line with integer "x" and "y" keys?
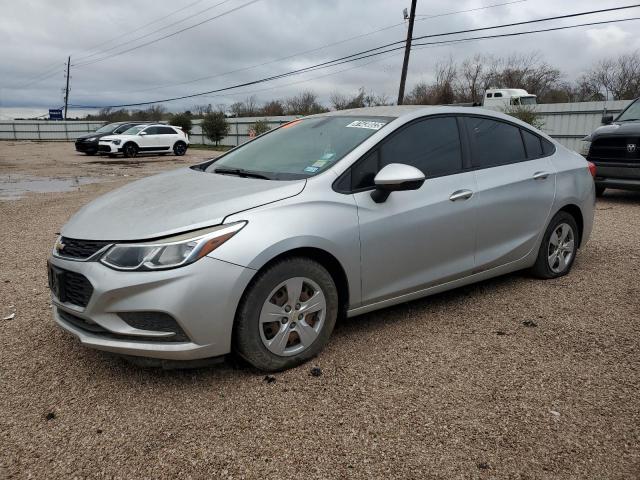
{"x": 37, "y": 36}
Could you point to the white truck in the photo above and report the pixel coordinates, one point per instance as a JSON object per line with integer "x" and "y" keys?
{"x": 505, "y": 97}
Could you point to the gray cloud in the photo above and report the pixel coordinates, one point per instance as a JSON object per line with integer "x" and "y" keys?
{"x": 38, "y": 35}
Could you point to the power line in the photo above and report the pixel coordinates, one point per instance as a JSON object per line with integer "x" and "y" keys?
{"x": 427, "y": 17}
{"x": 47, "y": 70}
{"x": 339, "y": 42}
{"x": 143, "y": 26}
{"x": 150, "y": 33}
{"x": 360, "y": 56}
{"x": 90, "y": 62}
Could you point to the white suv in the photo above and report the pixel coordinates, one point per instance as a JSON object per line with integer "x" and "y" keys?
{"x": 154, "y": 138}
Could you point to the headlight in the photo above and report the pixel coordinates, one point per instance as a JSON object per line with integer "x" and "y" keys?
{"x": 585, "y": 146}
{"x": 116, "y": 142}
{"x": 171, "y": 252}
{"x": 92, "y": 139}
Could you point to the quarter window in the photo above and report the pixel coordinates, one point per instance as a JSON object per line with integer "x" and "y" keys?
{"x": 431, "y": 145}
{"x": 166, "y": 131}
{"x": 494, "y": 143}
{"x": 533, "y": 144}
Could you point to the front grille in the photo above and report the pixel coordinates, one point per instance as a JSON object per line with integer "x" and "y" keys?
{"x": 81, "y": 323}
{"x": 104, "y": 148}
{"x": 157, "y": 321}
{"x": 80, "y": 249}
{"x": 94, "y": 328}
{"x": 70, "y": 287}
{"x": 615, "y": 149}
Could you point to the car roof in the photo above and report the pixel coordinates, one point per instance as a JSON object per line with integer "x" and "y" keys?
{"x": 399, "y": 111}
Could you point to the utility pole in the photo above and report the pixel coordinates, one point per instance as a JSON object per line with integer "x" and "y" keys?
{"x": 407, "y": 51}
{"x": 66, "y": 90}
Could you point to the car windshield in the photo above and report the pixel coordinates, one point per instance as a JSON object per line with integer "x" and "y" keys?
{"x": 527, "y": 100}
{"x": 134, "y": 130}
{"x": 301, "y": 148}
{"x": 122, "y": 128}
{"x": 630, "y": 114}
{"x": 107, "y": 128}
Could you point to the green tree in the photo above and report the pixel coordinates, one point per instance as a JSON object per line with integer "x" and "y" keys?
{"x": 526, "y": 113}
{"x": 182, "y": 120}
{"x": 215, "y": 126}
{"x": 260, "y": 127}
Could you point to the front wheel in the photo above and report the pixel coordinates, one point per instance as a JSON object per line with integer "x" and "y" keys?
{"x": 180, "y": 148}
{"x": 287, "y": 315}
{"x": 558, "y": 249}
{"x": 130, "y": 150}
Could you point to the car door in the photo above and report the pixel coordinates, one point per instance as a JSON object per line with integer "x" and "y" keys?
{"x": 151, "y": 140}
{"x": 167, "y": 137}
{"x": 515, "y": 189}
{"x": 419, "y": 238}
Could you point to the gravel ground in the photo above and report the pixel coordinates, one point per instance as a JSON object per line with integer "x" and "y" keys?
{"x": 509, "y": 378}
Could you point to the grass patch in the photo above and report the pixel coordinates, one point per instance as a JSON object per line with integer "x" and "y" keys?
{"x": 202, "y": 146}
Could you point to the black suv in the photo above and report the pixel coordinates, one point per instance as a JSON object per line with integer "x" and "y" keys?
{"x": 89, "y": 143}
{"x": 615, "y": 150}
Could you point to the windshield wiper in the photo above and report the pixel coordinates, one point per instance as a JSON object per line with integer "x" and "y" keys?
{"x": 241, "y": 173}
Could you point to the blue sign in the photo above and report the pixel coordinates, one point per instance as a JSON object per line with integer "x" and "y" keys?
{"x": 55, "y": 114}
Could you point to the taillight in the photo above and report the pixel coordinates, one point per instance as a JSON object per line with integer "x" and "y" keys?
{"x": 592, "y": 169}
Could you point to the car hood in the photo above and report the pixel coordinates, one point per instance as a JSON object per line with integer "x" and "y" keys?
{"x": 110, "y": 137}
{"x": 173, "y": 202}
{"x": 617, "y": 129}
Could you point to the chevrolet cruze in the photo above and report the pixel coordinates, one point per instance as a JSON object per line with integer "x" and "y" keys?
{"x": 259, "y": 251}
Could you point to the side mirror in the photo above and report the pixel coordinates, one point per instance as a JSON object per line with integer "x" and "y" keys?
{"x": 396, "y": 177}
{"x": 142, "y": 134}
{"x": 607, "y": 119}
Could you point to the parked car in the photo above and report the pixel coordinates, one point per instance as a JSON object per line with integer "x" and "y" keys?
{"x": 147, "y": 138}
{"x": 615, "y": 150}
{"x": 88, "y": 143}
{"x": 260, "y": 250}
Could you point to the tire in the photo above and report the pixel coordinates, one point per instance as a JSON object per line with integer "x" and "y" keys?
{"x": 130, "y": 150}
{"x": 180, "y": 148}
{"x": 277, "y": 345}
{"x": 91, "y": 153}
{"x": 549, "y": 266}
{"x": 600, "y": 190}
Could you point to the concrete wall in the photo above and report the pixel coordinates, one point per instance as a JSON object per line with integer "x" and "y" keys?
{"x": 566, "y": 122}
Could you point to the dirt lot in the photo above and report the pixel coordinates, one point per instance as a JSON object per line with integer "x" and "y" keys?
{"x": 510, "y": 378}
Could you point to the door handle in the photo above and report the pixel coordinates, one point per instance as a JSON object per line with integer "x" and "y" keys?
{"x": 540, "y": 175}
{"x": 460, "y": 195}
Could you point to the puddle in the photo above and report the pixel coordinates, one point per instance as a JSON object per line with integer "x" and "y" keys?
{"x": 14, "y": 187}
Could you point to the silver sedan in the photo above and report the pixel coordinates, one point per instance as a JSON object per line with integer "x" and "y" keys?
{"x": 260, "y": 251}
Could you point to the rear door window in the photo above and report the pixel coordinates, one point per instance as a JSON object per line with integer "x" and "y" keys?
{"x": 166, "y": 131}
{"x": 494, "y": 143}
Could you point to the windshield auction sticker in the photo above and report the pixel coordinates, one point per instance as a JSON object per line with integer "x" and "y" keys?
{"x": 366, "y": 124}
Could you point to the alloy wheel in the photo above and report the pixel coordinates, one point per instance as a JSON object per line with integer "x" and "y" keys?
{"x": 561, "y": 248}
{"x": 292, "y": 317}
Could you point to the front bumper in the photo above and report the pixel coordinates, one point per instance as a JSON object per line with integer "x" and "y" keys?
{"x": 86, "y": 147}
{"x": 109, "y": 148}
{"x": 622, "y": 175}
{"x": 201, "y": 297}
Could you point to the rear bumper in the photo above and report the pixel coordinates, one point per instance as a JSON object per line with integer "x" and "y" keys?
{"x": 201, "y": 297}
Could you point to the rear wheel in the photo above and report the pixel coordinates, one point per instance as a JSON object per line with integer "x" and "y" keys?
{"x": 130, "y": 150}
{"x": 180, "y": 148}
{"x": 600, "y": 190}
{"x": 558, "y": 249}
{"x": 287, "y": 315}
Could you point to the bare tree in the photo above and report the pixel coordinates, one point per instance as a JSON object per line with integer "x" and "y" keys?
{"x": 470, "y": 76}
{"x": 273, "y": 108}
{"x": 618, "y": 78}
{"x": 305, "y": 103}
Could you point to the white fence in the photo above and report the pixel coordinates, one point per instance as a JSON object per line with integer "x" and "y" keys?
{"x": 566, "y": 122}
{"x": 51, "y": 130}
